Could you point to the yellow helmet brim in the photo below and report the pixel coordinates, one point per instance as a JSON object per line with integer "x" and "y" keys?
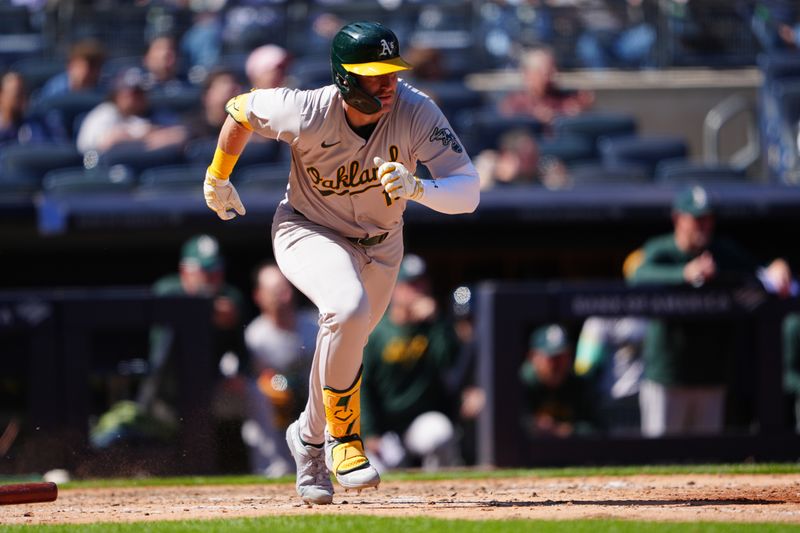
{"x": 377, "y": 68}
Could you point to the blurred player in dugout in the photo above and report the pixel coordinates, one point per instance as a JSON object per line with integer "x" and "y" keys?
{"x": 153, "y": 416}
{"x": 688, "y": 364}
{"x": 407, "y": 408}
{"x": 280, "y": 342}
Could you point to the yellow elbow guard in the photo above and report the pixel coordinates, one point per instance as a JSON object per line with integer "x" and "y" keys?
{"x": 222, "y": 164}
{"x": 236, "y": 109}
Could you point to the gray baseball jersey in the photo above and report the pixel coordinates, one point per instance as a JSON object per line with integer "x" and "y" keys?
{"x": 333, "y": 180}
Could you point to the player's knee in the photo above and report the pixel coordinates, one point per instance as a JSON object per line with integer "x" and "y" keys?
{"x": 350, "y": 314}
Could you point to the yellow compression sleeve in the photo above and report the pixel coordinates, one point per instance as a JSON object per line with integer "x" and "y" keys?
{"x": 236, "y": 109}
{"x": 222, "y": 164}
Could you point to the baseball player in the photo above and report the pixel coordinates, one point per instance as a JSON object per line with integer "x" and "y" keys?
{"x": 337, "y": 234}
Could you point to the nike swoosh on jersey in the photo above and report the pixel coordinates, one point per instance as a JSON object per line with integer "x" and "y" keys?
{"x": 326, "y": 145}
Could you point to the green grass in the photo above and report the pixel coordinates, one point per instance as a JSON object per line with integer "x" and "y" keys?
{"x": 367, "y": 524}
{"x": 747, "y": 468}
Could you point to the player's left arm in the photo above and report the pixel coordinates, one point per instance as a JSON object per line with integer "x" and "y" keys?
{"x": 456, "y": 185}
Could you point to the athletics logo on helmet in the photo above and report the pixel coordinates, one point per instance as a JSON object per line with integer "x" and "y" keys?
{"x": 366, "y": 49}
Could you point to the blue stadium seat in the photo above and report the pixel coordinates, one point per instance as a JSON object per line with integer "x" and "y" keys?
{"x": 310, "y": 72}
{"x": 185, "y": 100}
{"x": 59, "y": 115}
{"x": 645, "y": 150}
{"x": 570, "y": 150}
{"x": 599, "y": 174}
{"x": 452, "y": 97}
{"x": 135, "y": 157}
{"x": 14, "y": 20}
{"x": 683, "y": 171}
{"x": 79, "y": 180}
{"x": 30, "y": 162}
{"x": 37, "y": 70}
{"x": 480, "y": 129}
{"x": 176, "y": 178}
{"x": 199, "y": 152}
{"x": 593, "y": 125}
{"x": 267, "y": 177}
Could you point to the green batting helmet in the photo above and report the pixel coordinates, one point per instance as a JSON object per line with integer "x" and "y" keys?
{"x": 366, "y": 49}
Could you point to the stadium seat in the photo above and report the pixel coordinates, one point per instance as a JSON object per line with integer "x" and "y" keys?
{"x": 179, "y": 178}
{"x": 59, "y": 115}
{"x": 37, "y": 70}
{"x": 598, "y": 174}
{"x": 310, "y": 72}
{"x": 199, "y": 152}
{"x": 135, "y": 157}
{"x": 14, "y": 19}
{"x": 570, "y": 150}
{"x": 80, "y": 180}
{"x": 185, "y": 100}
{"x": 267, "y": 177}
{"x": 452, "y": 97}
{"x": 480, "y": 129}
{"x": 593, "y": 125}
{"x": 683, "y": 171}
{"x": 30, "y": 162}
{"x": 646, "y": 150}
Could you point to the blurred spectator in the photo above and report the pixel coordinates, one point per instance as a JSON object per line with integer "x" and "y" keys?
{"x": 612, "y": 38}
{"x": 219, "y": 86}
{"x": 429, "y": 64}
{"x": 686, "y": 361}
{"x": 13, "y": 103}
{"x": 541, "y": 97}
{"x": 201, "y": 44}
{"x": 407, "y": 411}
{"x": 517, "y": 161}
{"x": 124, "y": 118}
{"x": 557, "y": 401}
{"x": 266, "y": 66}
{"x": 776, "y": 24}
{"x": 161, "y": 66}
{"x": 281, "y": 342}
{"x": 82, "y": 73}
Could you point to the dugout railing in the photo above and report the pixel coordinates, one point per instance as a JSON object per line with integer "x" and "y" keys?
{"x": 506, "y": 313}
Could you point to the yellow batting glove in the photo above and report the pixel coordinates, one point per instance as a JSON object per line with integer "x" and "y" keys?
{"x": 397, "y": 181}
{"x": 222, "y": 198}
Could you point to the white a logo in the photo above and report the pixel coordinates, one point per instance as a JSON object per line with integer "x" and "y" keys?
{"x": 388, "y": 48}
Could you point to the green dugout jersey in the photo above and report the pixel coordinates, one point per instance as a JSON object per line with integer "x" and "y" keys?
{"x": 690, "y": 351}
{"x": 404, "y": 366}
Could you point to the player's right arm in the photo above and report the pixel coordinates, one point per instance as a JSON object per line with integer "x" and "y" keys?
{"x": 220, "y": 194}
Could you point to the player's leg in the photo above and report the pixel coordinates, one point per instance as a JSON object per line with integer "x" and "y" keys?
{"x": 344, "y": 449}
{"x": 328, "y": 270}
{"x": 320, "y": 265}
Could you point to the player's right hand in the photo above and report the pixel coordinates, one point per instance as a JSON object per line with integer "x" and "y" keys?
{"x": 222, "y": 198}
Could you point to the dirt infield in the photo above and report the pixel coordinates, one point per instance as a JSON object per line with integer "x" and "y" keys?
{"x": 733, "y": 498}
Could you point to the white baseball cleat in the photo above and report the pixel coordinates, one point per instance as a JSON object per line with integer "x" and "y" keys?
{"x": 345, "y": 458}
{"x": 313, "y": 478}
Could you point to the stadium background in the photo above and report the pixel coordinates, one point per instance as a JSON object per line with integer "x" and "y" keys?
{"x": 51, "y": 240}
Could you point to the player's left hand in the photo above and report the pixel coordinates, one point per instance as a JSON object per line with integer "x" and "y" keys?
{"x": 397, "y": 181}
{"x": 222, "y": 198}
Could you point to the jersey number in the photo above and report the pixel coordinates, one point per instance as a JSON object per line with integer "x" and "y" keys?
{"x": 387, "y": 198}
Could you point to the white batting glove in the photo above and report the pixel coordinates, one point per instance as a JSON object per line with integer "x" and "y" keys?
{"x": 397, "y": 181}
{"x": 221, "y": 197}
